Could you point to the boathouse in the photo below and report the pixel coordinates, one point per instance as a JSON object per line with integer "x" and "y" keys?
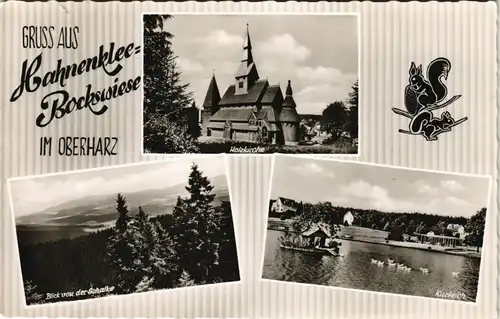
{"x": 318, "y": 234}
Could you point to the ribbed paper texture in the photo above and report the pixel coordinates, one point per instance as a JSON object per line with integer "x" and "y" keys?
{"x": 391, "y": 36}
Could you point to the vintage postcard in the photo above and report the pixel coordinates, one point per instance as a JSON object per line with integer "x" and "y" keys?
{"x": 87, "y": 86}
{"x": 376, "y": 228}
{"x": 250, "y": 83}
{"x": 124, "y": 230}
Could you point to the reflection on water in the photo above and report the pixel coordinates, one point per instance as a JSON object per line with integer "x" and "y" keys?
{"x": 356, "y": 271}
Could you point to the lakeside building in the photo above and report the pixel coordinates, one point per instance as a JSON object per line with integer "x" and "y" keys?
{"x": 439, "y": 240}
{"x": 318, "y": 234}
{"x": 282, "y": 205}
{"x": 348, "y": 219}
{"x": 457, "y": 229}
{"x": 251, "y": 109}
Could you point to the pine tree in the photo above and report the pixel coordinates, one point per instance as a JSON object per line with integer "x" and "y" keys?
{"x": 185, "y": 280}
{"x": 226, "y": 256}
{"x": 146, "y": 284}
{"x": 352, "y": 116}
{"x": 163, "y": 259}
{"x": 193, "y": 116}
{"x": 194, "y": 227}
{"x": 124, "y": 248}
{"x": 32, "y": 296}
{"x": 165, "y": 97}
{"x": 199, "y": 187}
{"x": 148, "y": 240}
{"x": 154, "y": 255}
{"x": 123, "y": 216}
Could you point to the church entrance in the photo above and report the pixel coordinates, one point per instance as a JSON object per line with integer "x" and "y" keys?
{"x": 265, "y": 134}
{"x": 227, "y": 131}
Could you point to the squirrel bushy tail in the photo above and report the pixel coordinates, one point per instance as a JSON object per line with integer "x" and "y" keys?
{"x": 438, "y": 68}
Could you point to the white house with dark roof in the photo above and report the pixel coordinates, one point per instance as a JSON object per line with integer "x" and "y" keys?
{"x": 283, "y": 205}
{"x": 348, "y": 218}
{"x": 251, "y": 107}
{"x": 457, "y": 229}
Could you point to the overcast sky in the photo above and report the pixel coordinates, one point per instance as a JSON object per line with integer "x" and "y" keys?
{"x": 374, "y": 187}
{"x": 318, "y": 53}
{"x": 33, "y": 195}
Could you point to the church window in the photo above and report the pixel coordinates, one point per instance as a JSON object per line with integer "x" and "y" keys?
{"x": 240, "y": 84}
{"x": 264, "y": 133}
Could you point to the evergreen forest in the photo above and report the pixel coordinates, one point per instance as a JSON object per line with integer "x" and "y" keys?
{"x": 194, "y": 245}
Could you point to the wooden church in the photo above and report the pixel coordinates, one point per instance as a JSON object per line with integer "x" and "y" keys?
{"x": 251, "y": 109}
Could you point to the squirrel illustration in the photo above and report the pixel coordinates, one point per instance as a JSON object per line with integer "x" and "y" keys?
{"x": 422, "y": 92}
{"x": 423, "y": 95}
{"x": 429, "y": 126}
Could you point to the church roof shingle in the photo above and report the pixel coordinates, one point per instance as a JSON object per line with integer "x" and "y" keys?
{"x": 245, "y": 127}
{"x": 212, "y": 97}
{"x": 216, "y": 125}
{"x": 233, "y": 114}
{"x": 260, "y": 115}
{"x": 289, "y": 115}
{"x": 266, "y": 111}
{"x": 270, "y": 94}
{"x": 289, "y": 102}
{"x": 251, "y": 97}
{"x": 243, "y": 114}
{"x": 244, "y": 69}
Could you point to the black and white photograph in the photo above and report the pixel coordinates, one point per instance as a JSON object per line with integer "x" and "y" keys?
{"x": 376, "y": 228}
{"x": 125, "y": 229}
{"x": 250, "y": 84}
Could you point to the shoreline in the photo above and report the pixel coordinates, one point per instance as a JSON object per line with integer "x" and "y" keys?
{"x": 406, "y": 245}
{"x": 312, "y": 251}
{"x": 409, "y": 245}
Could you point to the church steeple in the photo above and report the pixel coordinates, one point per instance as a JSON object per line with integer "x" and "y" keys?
{"x": 247, "y": 74}
{"x": 289, "y": 101}
{"x": 247, "y": 49}
{"x": 212, "y": 98}
{"x": 289, "y": 91}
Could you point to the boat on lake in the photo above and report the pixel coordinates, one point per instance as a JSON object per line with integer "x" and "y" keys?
{"x": 312, "y": 251}
{"x": 317, "y": 240}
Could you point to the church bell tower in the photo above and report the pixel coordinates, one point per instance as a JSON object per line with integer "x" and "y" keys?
{"x": 247, "y": 73}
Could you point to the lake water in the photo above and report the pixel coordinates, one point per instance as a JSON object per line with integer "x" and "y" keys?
{"x": 356, "y": 271}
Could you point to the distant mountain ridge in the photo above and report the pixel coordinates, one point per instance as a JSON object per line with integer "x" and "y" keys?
{"x": 99, "y": 211}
